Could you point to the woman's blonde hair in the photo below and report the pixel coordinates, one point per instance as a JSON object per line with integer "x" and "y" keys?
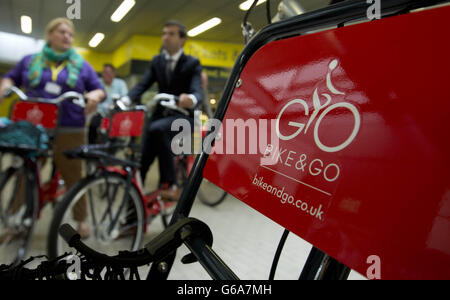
{"x": 53, "y": 24}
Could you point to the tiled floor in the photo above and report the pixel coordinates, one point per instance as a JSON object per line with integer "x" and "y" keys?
{"x": 246, "y": 241}
{"x": 243, "y": 238}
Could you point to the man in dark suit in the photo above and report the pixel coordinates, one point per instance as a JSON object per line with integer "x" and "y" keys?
{"x": 177, "y": 74}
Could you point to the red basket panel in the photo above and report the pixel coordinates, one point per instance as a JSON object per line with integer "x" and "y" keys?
{"x": 43, "y": 114}
{"x": 127, "y": 124}
{"x": 370, "y": 174}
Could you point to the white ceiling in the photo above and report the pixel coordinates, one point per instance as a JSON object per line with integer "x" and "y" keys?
{"x": 146, "y": 17}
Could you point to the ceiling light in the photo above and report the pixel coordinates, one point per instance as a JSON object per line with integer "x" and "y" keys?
{"x": 122, "y": 10}
{"x": 205, "y": 26}
{"x": 26, "y": 24}
{"x": 96, "y": 40}
{"x": 247, "y": 4}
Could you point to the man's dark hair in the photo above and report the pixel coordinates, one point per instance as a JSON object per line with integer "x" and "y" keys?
{"x": 181, "y": 28}
{"x": 110, "y": 66}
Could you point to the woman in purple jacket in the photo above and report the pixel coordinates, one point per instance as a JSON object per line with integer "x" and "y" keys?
{"x": 57, "y": 69}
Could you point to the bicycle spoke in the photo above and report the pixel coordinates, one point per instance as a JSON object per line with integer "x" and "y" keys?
{"x": 110, "y": 199}
{"x": 108, "y": 210}
{"x": 112, "y": 206}
{"x": 13, "y": 194}
{"x": 122, "y": 205}
{"x": 128, "y": 226}
{"x": 91, "y": 206}
{"x": 2, "y": 215}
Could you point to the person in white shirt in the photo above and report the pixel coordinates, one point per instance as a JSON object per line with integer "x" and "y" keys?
{"x": 114, "y": 88}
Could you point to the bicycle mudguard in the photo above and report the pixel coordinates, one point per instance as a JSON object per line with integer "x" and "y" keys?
{"x": 356, "y": 157}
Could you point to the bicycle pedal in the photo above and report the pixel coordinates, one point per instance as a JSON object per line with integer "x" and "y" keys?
{"x": 189, "y": 259}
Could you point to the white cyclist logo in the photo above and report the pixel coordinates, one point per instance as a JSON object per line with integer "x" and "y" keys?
{"x": 35, "y": 115}
{"x": 318, "y": 106}
{"x": 125, "y": 126}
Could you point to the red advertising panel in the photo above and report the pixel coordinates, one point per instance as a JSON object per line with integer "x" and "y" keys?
{"x": 105, "y": 123}
{"x": 361, "y": 167}
{"x": 44, "y": 114}
{"x": 127, "y": 124}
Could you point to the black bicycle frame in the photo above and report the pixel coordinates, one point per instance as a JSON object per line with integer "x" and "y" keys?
{"x": 319, "y": 265}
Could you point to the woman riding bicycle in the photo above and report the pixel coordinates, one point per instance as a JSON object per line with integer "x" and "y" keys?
{"x": 57, "y": 69}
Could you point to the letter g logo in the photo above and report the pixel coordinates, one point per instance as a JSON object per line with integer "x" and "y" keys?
{"x": 300, "y": 126}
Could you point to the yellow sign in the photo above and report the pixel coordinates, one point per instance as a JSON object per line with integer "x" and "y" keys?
{"x": 96, "y": 59}
{"x": 140, "y": 47}
{"x": 214, "y": 54}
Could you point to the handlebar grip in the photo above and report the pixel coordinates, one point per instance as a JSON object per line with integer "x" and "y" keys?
{"x": 15, "y": 90}
{"x": 121, "y": 105}
{"x": 123, "y": 260}
{"x": 69, "y": 234}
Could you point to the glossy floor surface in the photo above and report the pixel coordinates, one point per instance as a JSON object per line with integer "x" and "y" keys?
{"x": 243, "y": 238}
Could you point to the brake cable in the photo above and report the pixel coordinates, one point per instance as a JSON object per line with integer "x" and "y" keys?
{"x": 278, "y": 254}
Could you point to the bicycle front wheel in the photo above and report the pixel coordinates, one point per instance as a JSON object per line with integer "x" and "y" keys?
{"x": 18, "y": 214}
{"x": 112, "y": 209}
{"x": 210, "y": 194}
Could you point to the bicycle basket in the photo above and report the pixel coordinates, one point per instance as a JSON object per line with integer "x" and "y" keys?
{"x": 23, "y": 134}
{"x": 44, "y": 114}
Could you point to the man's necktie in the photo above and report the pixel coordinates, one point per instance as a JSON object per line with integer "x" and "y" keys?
{"x": 169, "y": 71}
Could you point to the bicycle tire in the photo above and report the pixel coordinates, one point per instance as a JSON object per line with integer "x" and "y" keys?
{"x": 103, "y": 237}
{"x": 210, "y": 194}
{"x": 16, "y": 223}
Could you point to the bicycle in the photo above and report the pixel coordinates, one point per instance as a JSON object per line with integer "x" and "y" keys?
{"x": 116, "y": 194}
{"x": 415, "y": 243}
{"x": 17, "y": 223}
{"x": 209, "y": 193}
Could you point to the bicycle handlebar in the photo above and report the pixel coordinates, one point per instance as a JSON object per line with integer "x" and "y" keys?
{"x": 121, "y": 104}
{"x": 75, "y": 97}
{"x": 73, "y": 238}
{"x": 194, "y": 233}
{"x": 170, "y": 101}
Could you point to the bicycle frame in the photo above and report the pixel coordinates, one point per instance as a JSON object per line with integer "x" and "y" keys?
{"x": 152, "y": 207}
{"x": 133, "y": 178}
{"x": 34, "y": 112}
{"x": 130, "y": 123}
{"x": 319, "y": 265}
{"x": 37, "y": 195}
{"x": 43, "y": 112}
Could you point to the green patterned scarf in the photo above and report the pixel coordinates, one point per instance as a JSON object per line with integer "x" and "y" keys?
{"x": 41, "y": 60}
